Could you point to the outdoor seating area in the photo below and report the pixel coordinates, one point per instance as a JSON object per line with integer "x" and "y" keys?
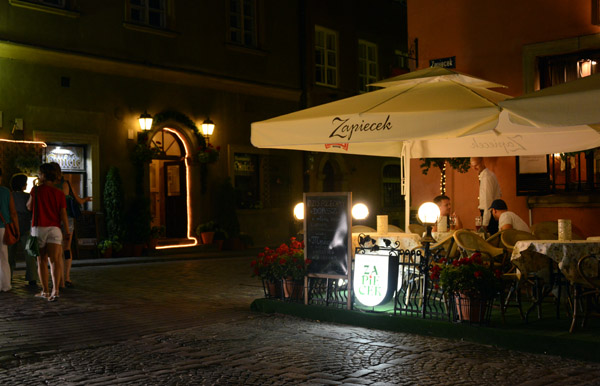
{"x": 557, "y": 278}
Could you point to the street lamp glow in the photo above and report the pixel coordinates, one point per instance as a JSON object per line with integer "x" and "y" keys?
{"x": 360, "y": 211}
{"x": 429, "y": 213}
{"x": 299, "y": 211}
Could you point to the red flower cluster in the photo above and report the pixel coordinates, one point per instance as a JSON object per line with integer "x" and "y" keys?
{"x": 467, "y": 274}
{"x": 284, "y": 261}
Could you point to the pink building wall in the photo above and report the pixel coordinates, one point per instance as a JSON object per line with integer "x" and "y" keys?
{"x": 487, "y": 39}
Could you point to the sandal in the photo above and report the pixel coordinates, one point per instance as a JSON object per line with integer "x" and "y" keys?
{"x": 42, "y": 295}
{"x": 53, "y": 298}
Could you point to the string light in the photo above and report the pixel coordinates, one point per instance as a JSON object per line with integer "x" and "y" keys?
{"x": 443, "y": 180}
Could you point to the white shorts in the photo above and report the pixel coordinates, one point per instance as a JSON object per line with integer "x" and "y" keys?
{"x": 47, "y": 235}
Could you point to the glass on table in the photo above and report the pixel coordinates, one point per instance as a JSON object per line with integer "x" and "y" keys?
{"x": 478, "y": 223}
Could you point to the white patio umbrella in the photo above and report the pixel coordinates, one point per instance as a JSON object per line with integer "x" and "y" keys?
{"x": 572, "y": 103}
{"x": 435, "y": 116}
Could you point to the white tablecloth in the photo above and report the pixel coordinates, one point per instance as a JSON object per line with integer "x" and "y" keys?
{"x": 531, "y": 256}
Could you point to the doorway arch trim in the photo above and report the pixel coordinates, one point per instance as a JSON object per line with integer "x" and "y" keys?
{"x": 193, "y": 240}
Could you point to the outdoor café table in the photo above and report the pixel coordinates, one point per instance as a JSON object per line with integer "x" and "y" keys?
{"x": 531, "y": 257}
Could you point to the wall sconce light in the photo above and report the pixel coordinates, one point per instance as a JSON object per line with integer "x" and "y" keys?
{"x": 208, "y": 127}
{"x": 145, "y": 121}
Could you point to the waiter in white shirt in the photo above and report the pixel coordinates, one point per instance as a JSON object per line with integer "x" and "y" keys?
{"x": 489, "y": 190}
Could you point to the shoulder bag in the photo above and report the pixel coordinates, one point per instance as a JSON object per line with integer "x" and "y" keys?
{"x": 73, "y": 206}
{"x": 11, "y": 232}
{"x": 31, "y": 245}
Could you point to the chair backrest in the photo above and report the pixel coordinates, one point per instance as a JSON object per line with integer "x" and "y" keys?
{"x": 417, "y": 228}
{"x": 446, "y": 247}
{"x": 510, "y": 237}
{"x": 495, "y": 239}
{"x": 471, "y": 242}
{"x": 548, "y": 230}
{"x": 393, "y": 228}
{"x": 362, "y": 229}
{"x": 587, "y": 267}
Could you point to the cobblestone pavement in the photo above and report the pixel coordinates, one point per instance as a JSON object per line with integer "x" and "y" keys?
{"x": 189, "y": 323}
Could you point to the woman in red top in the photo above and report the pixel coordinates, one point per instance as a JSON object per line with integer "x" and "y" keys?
{"x": 49, "y": 208}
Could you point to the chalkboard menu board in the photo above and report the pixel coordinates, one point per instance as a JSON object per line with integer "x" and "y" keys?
{"x": 327, "y": 233}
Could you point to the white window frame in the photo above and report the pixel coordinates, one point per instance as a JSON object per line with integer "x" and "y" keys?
{"x": 243, "y": 30}
{"x": 368, "y": 66}
{"x": 145, "y": 10}
{"x": 329, "y": 53}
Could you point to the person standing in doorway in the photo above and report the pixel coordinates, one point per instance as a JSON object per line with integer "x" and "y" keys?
{"x": 49, "y": 208}
{"x": 489, "y": 190}
{"x": 18, "y": 183}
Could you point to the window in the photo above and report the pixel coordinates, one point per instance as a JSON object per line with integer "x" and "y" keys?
{"x": 55, "y": 7}
{"x": 261, "y": 181}
{"x": 326, "y": 70}
{"x": 559, "y": 69}
{"x": 367, "y": 64}
{"x": 151, "y": 13}
{"x": 571, "y": 172}
{"x": 50, "y": 3}
{"x": 242, "y": 22}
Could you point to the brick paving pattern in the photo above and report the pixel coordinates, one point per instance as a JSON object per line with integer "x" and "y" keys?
{"x": 189, "y": 323}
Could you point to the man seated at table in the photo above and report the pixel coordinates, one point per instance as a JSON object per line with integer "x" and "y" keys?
{"x": 443, "y": 202}
{"x": 507, "y": 219}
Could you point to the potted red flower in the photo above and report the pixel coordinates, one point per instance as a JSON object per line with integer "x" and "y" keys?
{"x": 472, "y": 285}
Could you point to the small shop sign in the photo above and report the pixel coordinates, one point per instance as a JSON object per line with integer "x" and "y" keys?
{"x": 70, "y": 158}
{"x": 374, "y": 280}
{"x": 443, "y": 62}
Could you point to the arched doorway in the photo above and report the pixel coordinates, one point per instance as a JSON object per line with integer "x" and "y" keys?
{"x": 169, "y": 184}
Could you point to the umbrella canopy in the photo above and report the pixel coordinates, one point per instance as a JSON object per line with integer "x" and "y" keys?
{"x": 377, "y": 122}
{"x": 419, "y": 115}
{"x": 436, "y": 74}
{"x": 567, "y": 104}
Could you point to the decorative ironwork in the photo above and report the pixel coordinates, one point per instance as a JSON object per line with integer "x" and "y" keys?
{"x": 416, "y": 294}
{"x": 328, "y": 292}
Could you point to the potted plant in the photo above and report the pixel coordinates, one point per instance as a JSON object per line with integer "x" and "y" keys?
{"x": 108, "y": 246}
{"x": 208, "y": 154}
{"x": 284, "y": 264}
{"x": 156, "y": 232}
{"x": 472, "y": 286}
{"x": 219, "y": 238}
{"x": 112, "y": 200}
{"x": 206, "y": 231}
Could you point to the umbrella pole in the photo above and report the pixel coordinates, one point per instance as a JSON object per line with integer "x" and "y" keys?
{"x": 406, "y": 181}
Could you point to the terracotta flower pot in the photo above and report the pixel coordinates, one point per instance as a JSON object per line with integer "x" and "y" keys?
{"x": 470, "y": 308}
{"x": 207, "y": 237}
{"x": 293, "y": 289}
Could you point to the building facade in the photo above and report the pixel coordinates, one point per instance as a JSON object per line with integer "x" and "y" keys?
{"x": 77, "y": 75}
{"x": 525, "y": 46}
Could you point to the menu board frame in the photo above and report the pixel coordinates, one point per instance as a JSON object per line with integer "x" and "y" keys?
{"x": 311, "y": 236}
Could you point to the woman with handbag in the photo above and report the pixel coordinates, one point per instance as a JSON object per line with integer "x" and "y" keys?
{"x": 74, "y": 203}
{"x": 8, "y": 219}
{"x": 49, "y": 208}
